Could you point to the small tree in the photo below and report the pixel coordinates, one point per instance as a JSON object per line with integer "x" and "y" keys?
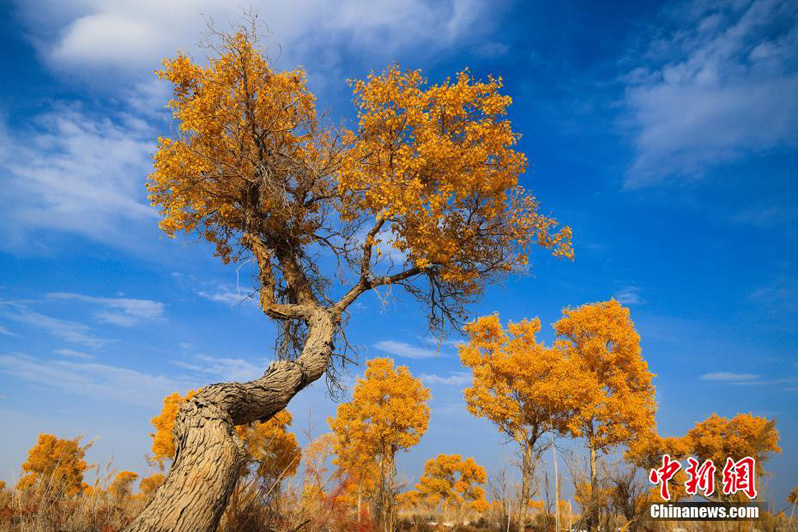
{"x": 450, "y": 483}
{"x": 56, "y": 465}
{"x": 388, "y": 413}
{"x": 617, "y": 403}
{"x": 122, "y": 485}
{"x": 431, "y": 171}
{"x": 148, "y": 485}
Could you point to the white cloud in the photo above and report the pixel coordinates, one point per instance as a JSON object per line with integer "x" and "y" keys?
{"x": 227, "y": 296}
{"x": 225, "y": 369}
{"x": 629, "y": 295}
{"x": 70, "y": 331}
{"x": 122, "y": 311}
{"x": 725, "y": 376}
{"x": 77, "y": 173}
{"x": 404, "y": 350}
{"x": 97, "y": 381}
{"x": 131, "y": 36}
{"x": 71, "y": 353}
{"x": 724, "y": 85}
{"x": 457, "y": 378}
{"x": 6, "y": 332}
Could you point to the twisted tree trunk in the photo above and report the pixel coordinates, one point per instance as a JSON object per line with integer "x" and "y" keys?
{"x": 210, "y": 453}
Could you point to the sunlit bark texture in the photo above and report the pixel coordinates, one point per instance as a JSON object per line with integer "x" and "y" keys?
{"x": 430, "y": 174}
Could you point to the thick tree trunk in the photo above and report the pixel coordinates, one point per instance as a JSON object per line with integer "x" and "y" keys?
{"x": 210, "y": 453}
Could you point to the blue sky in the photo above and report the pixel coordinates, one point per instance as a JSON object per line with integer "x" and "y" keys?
{"x": 664, "y": 134}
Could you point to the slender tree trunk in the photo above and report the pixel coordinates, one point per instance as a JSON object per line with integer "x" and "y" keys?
{"x": 556, "y": 488}
{"x": 209, "y": 452}
{"x": 359, "y": 499}
{"x": 526, "y": 483}
{"x": 592, "y": 518}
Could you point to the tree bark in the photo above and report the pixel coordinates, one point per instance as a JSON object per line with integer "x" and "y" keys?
{"x": 592, "y": 518}
{"x": 210, "y": 453}
{"x": 526, "y": 482}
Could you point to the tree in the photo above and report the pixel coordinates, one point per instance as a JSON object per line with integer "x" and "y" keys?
{"x": 272, "y": 449}
{"x": 122, "y": 485}
{"x": 718, "y": 438}
{"x": 646, "y": 452}
{"x": 388, "y": 413}
{"x": 269, "y": 446}
{"x": 451, "y": 483}
{"x": 163, "y": 441}
{"x": 521, "y": 386}
{"x": 148, "y": 485}
{"x": 618, "y": 396}
{"x": 56, "y": 465}
{"x": 431, "y": 171}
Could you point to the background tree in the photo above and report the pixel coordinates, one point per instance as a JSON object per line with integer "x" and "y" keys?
{"x": 431, "y": 171}
{"x": 521, "y": 386}
{"x": 272, "y": 453}
{"x": 163, "y": 441}
{"x": 451, "y": 483}
{"x": 122, "y": 485}
{"x": 617, "y": 404}
{"x": 355, "y": 459}
{"x": 148, "y": 485}
{"x": 388, "y": 413}
{"x": 56, "y": 465}
{"x": 718, "y": 438}
{"x": 646, "y": 452}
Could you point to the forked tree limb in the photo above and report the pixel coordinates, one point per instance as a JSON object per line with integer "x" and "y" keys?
{"x": 209, "y": 451}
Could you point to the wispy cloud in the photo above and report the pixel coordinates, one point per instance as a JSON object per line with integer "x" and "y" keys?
{"x": 77, "y": 173}
{"x": 70, "y": 331}
{"x": 71, "y": 353}
{"x": 6, "y": 332}
{"x": 629, "y": 295}
{"x": 404, "y": 350}
{"x": 131, "y": 37}
{"x": 122, "y": 311}
{"x": 726, "y": 376}
{"x": 721, "y": 84}
{"x": 225, "y": 369}
{"x": 226, "y": 296}
{"x": 457, "y": 378}
{"x": 97, "y": 381}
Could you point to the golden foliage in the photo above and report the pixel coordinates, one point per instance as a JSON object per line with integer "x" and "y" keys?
{"x": 272, "y": 448}
{"x": 437, "y": 162}
{"x": 163, "y": 442}
{"x": 792, "y": 498}
{"x": 646, "y": 452}
{"x": 718, "y": 438}
{"x": 431, "y": 167}
{"x": 388, "y": 411}
{"x": 449, "y": 481}
{"x": 122, "y": 484}
{"x": 519, "y": 384}
{"x": 239, "y": 122}
{"x": 55, "y": 463}
{"x": 148, "y": 485}
{"x": 268, "y": 444}
{"x": 617, "y": 396}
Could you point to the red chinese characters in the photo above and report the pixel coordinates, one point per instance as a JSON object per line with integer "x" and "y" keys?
{"x": 740, "y": 476}
{"x": 663, "y": 475}
{"x": 702, "y": 478}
